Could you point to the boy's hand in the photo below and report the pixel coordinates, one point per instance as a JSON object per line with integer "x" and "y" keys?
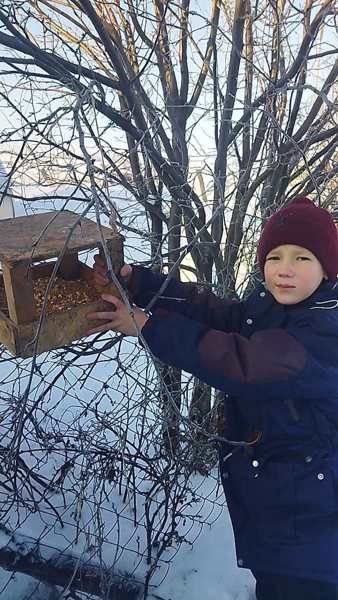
{"x": 119, "y": 318}
{"x": 100, "y": 272}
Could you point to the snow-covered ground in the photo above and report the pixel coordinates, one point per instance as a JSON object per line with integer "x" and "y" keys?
{"x": 207, "y": 570}
{"x": 205, "y": 567}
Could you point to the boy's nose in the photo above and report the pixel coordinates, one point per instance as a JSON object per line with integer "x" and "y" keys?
{"x": 285, "y": 271}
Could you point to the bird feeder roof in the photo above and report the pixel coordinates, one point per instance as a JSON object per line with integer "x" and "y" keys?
{"x": 42, "y": 236}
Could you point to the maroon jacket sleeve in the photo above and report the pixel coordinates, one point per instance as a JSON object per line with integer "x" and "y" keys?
{"x": 152, "y": 291}
{"x": 270, "y": 360}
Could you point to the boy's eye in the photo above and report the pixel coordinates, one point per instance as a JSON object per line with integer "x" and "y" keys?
{"x": 303, "y": 258}
{"x": 273, "y": 258}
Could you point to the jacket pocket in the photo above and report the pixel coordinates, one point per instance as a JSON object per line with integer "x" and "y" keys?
{"x": 317, "y": 502}
{"x": 270, "y": 497}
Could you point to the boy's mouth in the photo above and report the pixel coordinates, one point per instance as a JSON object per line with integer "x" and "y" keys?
{"x": 285, "y": 286}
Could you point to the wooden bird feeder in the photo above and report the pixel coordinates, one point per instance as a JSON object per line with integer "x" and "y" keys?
{"x": 26, "y": 243}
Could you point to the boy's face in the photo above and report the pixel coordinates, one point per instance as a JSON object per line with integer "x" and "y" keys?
{"x": 292, "y": 273}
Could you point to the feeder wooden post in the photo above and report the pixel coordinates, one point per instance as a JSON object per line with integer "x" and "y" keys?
{"x": 70, "y": 266}
{"x": 19, "y": 291}
{"x": 115, "y": 250}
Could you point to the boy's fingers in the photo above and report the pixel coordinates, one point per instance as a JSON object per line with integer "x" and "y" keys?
{"x": 100, "y": 279}
{"x": 107, "y": 316}
{"x": 113, "y": 300}
{"x": 126, "y": 270}
{"x": 100, "y": 271}
{"x": 100, "y": 267}
{"x": 99, "y": 261}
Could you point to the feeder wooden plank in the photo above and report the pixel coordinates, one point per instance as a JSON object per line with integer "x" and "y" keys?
{"x": 19, "y": 291}
{"x": 42, "y": 236}
{"x": 58, "y": 329}
{"x": 46, "y": 269}
{"x": 8, "y": 333}
{"x": 42, "y": 270}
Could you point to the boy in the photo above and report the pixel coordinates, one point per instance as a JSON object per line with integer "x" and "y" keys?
{"x": 275, "y": 356}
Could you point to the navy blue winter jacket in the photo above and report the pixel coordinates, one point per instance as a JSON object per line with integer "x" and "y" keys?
{"x": 278, "y": 368}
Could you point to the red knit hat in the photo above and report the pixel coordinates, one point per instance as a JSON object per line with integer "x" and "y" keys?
{"x": 302, "y": 223}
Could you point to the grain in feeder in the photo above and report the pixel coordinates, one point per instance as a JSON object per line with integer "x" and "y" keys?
{"x": 26, "y": 243}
